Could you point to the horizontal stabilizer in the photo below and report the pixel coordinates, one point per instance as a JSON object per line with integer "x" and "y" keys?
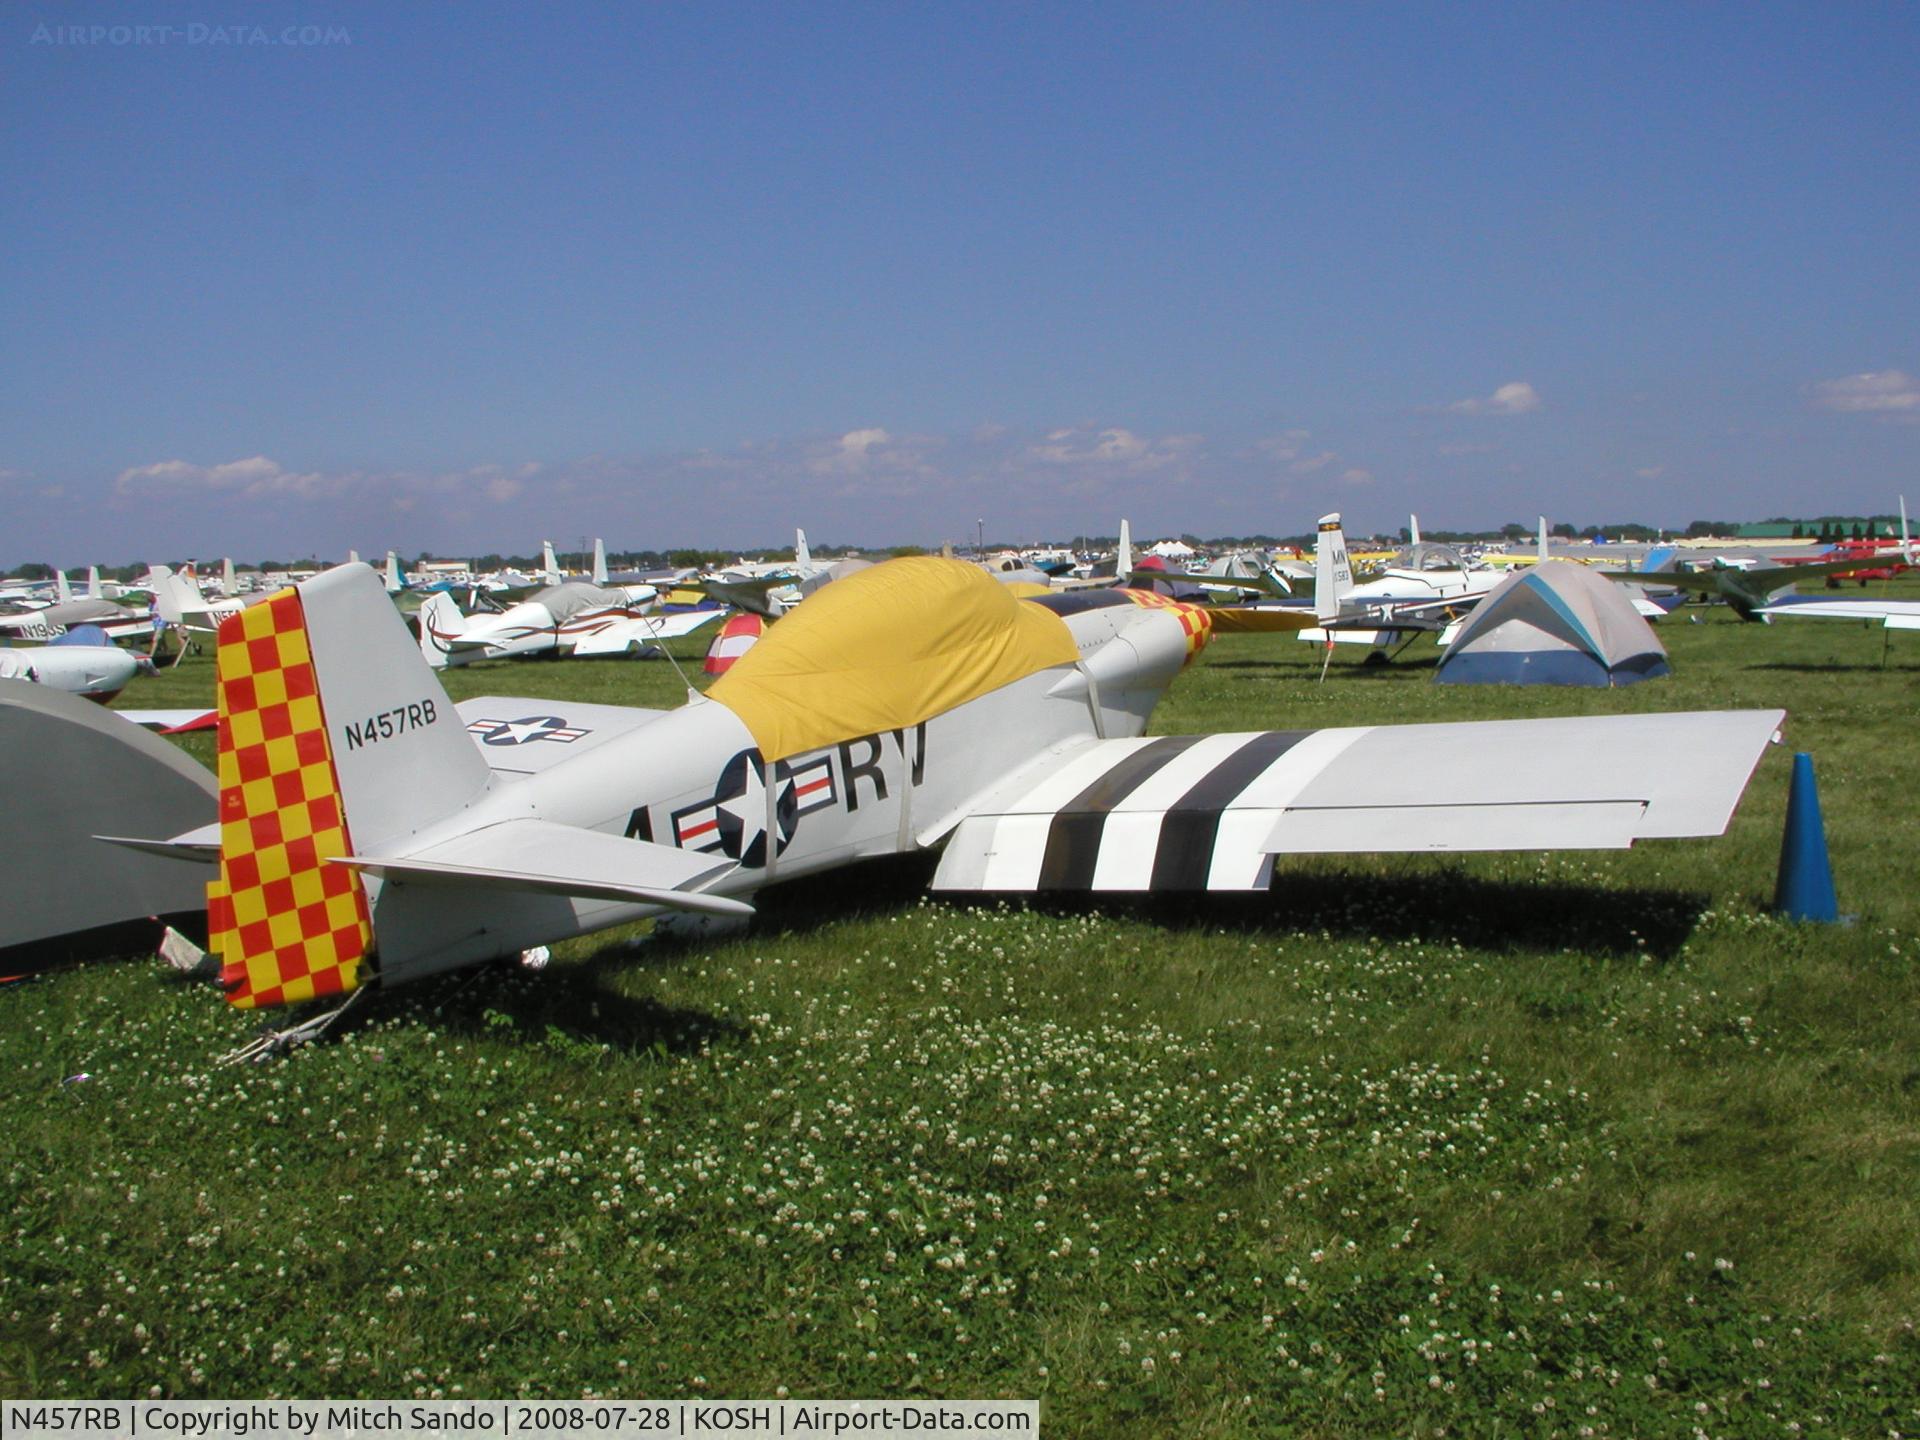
{"x": 202, "y": 844}
{"x": 549, "y": 859}
{"x": 1210, "y": 812}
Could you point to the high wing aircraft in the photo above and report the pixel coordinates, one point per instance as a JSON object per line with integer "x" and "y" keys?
{"x": 373, "y": 832}
{"x": 178, "y": 598}
{"x": 1752, "y": 591}
{"x": 70, "y": 611}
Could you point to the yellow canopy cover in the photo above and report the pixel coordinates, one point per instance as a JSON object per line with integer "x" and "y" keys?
{"x": 884, "y": 649}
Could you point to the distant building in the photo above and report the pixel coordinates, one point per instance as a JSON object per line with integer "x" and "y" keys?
{"x": 1832, "y": 527}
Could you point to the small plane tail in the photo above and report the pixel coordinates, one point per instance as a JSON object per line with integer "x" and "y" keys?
{"x": 229, "y": 584}
{"x": 1413, "y": 529}
{"x": 1123, "y": 557}
{"x": 94, "y": 591}
{"x": 62, "y": 591}
{"x": 174, "y": 593}
{"x": 333, "y": 732}
{"x": 395, "y": 581}
{"x": 599, "y": 561}
{"x": 1541, "y": 551}
{"x": 1332, "y": 572}
{"x": 549, "y": 567}
{"x": 1906, "y": 536}
{"x": 441, "y": 623}
{"x": 802, "y": 556}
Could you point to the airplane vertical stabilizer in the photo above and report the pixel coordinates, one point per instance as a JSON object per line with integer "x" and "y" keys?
{"x": 395, "y": 582}
{"x": 1540, "y": 550}
{"x": 333, "y": 732}
{"x": 62, "y": 591}
{"x": 229, "y": 583}
{"x": 174, "y": 594}
{"x": 1332, "y": 573}
{"x": 440, "y": 622}
{"x": 1123, "y": 557}
{"x": 599, "y": 561}
{"x": 802, "y": 556}
{"x": 1413, "y": 529}
{"x": 94, "y": 592}
{"x": 549, "y": 567}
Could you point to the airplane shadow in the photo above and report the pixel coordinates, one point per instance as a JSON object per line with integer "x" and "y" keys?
{"x": 571, "y": 1006}
{"x": 1439, "y": 908}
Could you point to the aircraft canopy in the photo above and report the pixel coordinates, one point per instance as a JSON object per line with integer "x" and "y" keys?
{"x": 884, "y": 649}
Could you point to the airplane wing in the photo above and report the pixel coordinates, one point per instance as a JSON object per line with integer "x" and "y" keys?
{"x": 541, "y": 857}
{"x": 624, "y": 635}
{"x": 1260, "y": 619}
{"x": 1211, "y": 812}
{"x": 1894, "y": 614}
{"x": 171, "y": 722}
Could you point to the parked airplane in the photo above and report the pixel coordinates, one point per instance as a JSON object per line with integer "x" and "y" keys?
{"x": 178, "y": 598}
{"x": 77, "y": 663}
{"x": 1752, "y": 588}
{"x": 371, "y": 831}
{"x": 52, "y": 621}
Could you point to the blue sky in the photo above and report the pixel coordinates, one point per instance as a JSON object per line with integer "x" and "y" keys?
{"x": 460, "y": 277}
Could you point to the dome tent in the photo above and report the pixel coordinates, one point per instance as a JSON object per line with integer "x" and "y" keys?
{"x": 1556, "y": 623}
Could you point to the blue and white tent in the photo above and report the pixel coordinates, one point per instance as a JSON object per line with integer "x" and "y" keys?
{"x": 1554, "y": 624}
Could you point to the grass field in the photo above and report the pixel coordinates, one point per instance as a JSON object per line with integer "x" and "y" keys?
{"x": 1512, "y": 1145}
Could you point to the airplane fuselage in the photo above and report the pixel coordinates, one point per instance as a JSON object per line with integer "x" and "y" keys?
{"x": 694, "y": 779}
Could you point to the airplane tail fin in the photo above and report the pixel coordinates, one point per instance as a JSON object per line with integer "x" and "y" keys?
{"x": 395, "y": 581}
{"x": 802, "y": 556}
{"x": 62, "y": 591}
{"x": 1906, "y": 536}
{"x": 229, "y": 585}
{"x": 93, "y": 583}
{"x": 1332, "y": 573}
{"x": 1541, "y": 552}
{"x": 1123, "y": 557}
{"x": 1413, "y": 529}
{"x": 549, "y": 567}
{"x": 440, "y": 623}
{"x": 333, "y": 733}
{"x": 173, "y": 594}
{"x": 599, "y": 561}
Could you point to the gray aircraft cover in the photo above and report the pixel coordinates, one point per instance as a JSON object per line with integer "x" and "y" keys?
{"x": 71, "y": 770}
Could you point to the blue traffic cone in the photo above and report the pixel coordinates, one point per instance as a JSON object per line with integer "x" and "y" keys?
{"x": 1804, "y": 889}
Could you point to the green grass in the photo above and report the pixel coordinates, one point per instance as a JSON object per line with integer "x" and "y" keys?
{"x": 1577, "y": 1143}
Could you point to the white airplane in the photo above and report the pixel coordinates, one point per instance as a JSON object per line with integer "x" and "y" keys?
{"x": 55, "y": 620}
{"x": 575, "y": 618}
{"x": 98, "y": 672}
{"x": 916, "y": 705}
{"x": 178, "y": 598}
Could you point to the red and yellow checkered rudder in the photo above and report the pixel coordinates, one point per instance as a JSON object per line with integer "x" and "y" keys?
{"x": 286, "y": 924}
{"x": 1196, "y": 622}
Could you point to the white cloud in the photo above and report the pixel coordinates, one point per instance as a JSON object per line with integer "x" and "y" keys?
{"x": 254, "y": 476}
{"x": 1871, "y": 392}
{"x": 1113, "y": 447}
{"x": 1356, "y": 476}
{"x": 1307, "y": 464}
{"x": 1516, "y": 397}
{"x": 259, "y": 478}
